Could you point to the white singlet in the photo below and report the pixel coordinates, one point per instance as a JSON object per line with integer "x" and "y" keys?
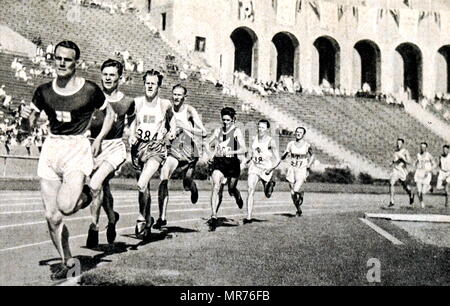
{"x": 149, "y": 119}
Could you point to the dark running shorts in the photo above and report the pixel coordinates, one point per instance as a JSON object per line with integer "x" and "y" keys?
{"x": 229, "y": 166}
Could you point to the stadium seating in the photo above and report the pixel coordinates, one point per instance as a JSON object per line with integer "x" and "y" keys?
{"x": 365, "y": 126}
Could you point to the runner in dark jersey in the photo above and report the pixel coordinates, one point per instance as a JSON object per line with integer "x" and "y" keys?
{"x": 225, "y": 164}
{"x": 183, "y": 152}
{"x": 67, "y": 157}
{"x": 113, "y": 153}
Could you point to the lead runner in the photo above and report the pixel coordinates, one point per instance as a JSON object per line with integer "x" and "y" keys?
{"x": 66, "y": 159}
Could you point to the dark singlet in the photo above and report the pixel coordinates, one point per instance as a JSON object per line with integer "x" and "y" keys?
{"x": 228, "y": 142}
{"x": 69, "y": 114}
{"x": 123, "y": 108}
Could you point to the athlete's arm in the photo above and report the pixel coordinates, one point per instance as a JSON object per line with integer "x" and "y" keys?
{"x": 131, "y": 114}
{"x": 106, "y": 127}
{"x": 283, "y": 157}
{"x": 197, "y": 122}
{"x": 242, "y": 147}
{"x": 132, "y": 132}
{"x": 311, "y": 158}
{"x": 407, "y": 157}
{"x": 171, "y": 134}
{"x": 207, "y": 144}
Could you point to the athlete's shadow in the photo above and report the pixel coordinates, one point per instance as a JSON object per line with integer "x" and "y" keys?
{"x": 258, "y": 220}
{"x": 85, "y": 263}
{"x": 177, "y": 229}
{"x": 225, "y": 222}
{"x": 287, "y": 215}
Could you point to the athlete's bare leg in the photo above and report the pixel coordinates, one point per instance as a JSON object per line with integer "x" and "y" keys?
{"x": 96, "y": 185}
{"x": 189, "y": 183}
{"x": 150, "y": 168}
{"x": 252, "y": 181}
{"x": 297, "y": 195}
{"x": 447, "y": 191}
{"x": 163, "y": 191}
{"x": 222, "y": 186}
{"x": 392, "y": 192}
{"x": 234, "y": 192}
{"x": 71, "y": 197}
{"x": 217, "y": 178}
{"x": 58, "y": 231}
{"x": 108, "y": 202}
{"x": 420, "y": 194}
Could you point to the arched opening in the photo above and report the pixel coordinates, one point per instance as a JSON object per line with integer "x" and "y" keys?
{"x": 412, "y": 69}
{"x": 367, "y": 65}
{"x": 329, "y": 60}
{"x": 443, "y": 70}
{"x": 287, "y": 54}
{"x": 246, "y": 50}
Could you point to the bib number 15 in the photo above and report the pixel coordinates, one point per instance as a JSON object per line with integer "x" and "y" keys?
{"x": 62, "y": 116}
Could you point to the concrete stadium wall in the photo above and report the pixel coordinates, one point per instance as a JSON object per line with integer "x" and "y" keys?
{"x": 217, "y": 20}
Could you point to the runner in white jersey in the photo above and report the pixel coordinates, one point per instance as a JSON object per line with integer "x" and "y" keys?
{"x": 425, "y": 165}
{"x": 301, "y": 159}
{"x": 154, "y": 125}
{"x": 113, "y": 153}
{"x": 183, "y": 152}
{"x": 263, "y": 155}
{"x": 443, "y": 180}
{"x": 400, "y": 171}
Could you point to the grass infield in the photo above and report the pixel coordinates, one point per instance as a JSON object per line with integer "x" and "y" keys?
{"x": 326, "y": 249}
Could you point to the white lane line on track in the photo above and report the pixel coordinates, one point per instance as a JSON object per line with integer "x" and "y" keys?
{"x": 382, "y": 232}
{"x": 226, "y": 201}
{"x": 133, "y": 213}
{"x": 124, "y": 199}
{"x": 132, "y": 227}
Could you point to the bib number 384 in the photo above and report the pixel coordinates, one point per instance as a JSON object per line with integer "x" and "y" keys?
{"x": 144, "y": 135}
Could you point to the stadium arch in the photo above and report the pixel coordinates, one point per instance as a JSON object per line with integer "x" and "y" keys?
{"x": 245, "y": 43}
{"x": 409, "y": 70}
{"x": 329, "y": 60}
{"x": 367, "y": 64}
{"x": 288, "y": 54}
{"x": 443, "y": 70}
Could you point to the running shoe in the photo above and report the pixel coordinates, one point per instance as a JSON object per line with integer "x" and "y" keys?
{"x": 299, "y": 212}
{"x": 247, "y": 221}
{"x": 212, "y": 224}
{"x": 159, "y": 223}
{"x": 111, "y": 230}
{"x": 92, "y": 238}
{"x": 391, "y": 204}
{"x": 61, "y": 273}
{"x": 147, "y": 236}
